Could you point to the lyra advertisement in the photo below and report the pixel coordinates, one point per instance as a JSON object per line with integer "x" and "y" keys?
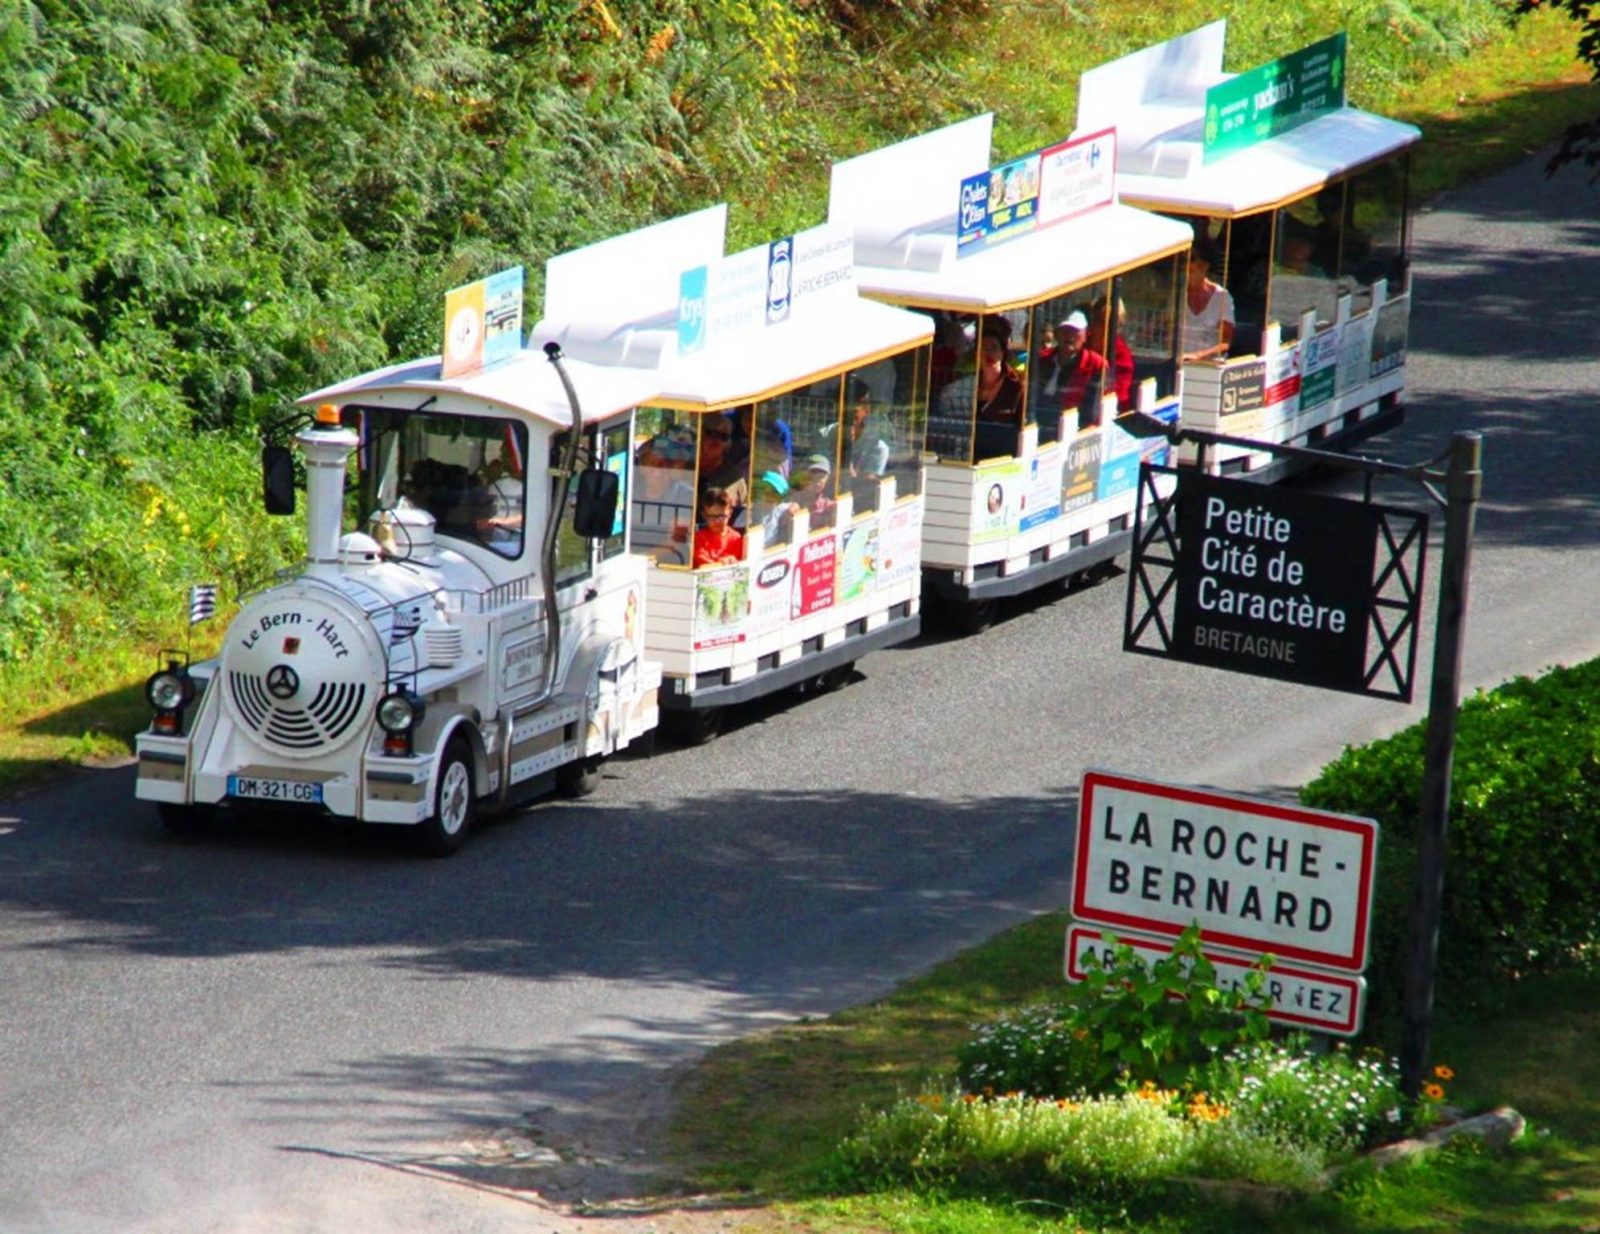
{"x": 815, "y": 578}
{"x": 721, "y": 603}
{"x": 1119, "y": 465}
{"x": 858, "y": 561}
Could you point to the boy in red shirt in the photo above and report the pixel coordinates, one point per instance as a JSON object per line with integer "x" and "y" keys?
{"x": 717, "y": 544}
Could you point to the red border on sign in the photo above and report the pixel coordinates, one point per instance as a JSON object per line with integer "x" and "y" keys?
{"x": 1366, "y": 829}
{"x": 1351, "y": 985}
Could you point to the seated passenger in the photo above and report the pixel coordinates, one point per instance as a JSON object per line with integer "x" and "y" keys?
{"x": 994, "y": 388}
{"x": 1208, "y": 308}
{"x": 717, "y": 543}
{"x": 498, "y": 510}
{"x": 810, "y": 492}
{"x": 1081, "y": 373}
{"x": 869, "y": 437}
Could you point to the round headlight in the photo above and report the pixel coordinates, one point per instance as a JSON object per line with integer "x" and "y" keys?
{"x": 166, "y": 691}
{"x": 398, "y": 713}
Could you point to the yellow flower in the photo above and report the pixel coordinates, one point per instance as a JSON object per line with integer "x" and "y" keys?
{"x": 1443, "y": 1072}
{"x": 1433, "y": 1092}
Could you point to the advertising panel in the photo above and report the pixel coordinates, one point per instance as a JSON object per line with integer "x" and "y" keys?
{"x": 721, "y": 604}
{"x": 1274, "y": 98}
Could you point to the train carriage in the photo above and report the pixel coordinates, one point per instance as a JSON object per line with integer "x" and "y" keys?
{"x": 1305, "y": 201}
{"x": 775, "y": 478}
{"x": 1034, "y": 267}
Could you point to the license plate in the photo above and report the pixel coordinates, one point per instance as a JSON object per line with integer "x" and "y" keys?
{"x": 256, "y": 788}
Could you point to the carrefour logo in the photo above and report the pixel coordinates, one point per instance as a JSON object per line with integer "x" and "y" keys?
{"x": 692, "y": 309}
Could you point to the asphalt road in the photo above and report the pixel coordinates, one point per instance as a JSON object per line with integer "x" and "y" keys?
{"x": 230, "y": 1036}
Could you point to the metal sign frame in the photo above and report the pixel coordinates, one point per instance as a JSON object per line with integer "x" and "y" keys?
{"x": 1163, "y": 575}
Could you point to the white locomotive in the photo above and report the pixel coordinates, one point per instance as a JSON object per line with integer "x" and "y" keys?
{"x": 480, "y": 642}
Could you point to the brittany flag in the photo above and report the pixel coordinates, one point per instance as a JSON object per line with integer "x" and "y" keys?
{"x": 202, "y": 602}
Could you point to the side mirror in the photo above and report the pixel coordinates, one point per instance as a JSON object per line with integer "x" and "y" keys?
{"x": 594, "y": 515}
{"x": 277, "y": 479}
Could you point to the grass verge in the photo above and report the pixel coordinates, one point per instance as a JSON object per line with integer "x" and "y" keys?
{"x": 760, "y": 1117}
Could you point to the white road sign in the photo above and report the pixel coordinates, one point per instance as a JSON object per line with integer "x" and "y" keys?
{"x": 1320, "y": 1001}
{"x": 1256, "y": 875}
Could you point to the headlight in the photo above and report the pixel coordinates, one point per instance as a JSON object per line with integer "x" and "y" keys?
{"x": 167, "y": 690}
{"x": 399, "y": 712}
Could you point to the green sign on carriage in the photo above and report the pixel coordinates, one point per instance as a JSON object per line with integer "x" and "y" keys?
{"x": 1275, "y": 97}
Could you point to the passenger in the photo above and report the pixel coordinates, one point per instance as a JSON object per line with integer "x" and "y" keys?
{"x": 769, "y": 490}
{"x": 869, "y": 435}
{"x": 1208, "y": 308}
{"x": 718, "y": 471}
{"x": 499, "y": 508}
{"x": 743, "y": 420}
{"x": 1080, "y": 375}
{"x": 999, "y": 388}
{"x": 1121, "y": 355}
{"x": 811, "y": 491}
{"x": 717, "y": 543}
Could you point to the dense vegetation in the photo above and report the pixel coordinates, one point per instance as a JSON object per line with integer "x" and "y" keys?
{"x": 1582, "y": 140}
{"x": 1522, "y": 892}
{"x": 210, "y": 207}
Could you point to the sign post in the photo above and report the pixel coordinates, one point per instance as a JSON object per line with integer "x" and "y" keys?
{"x": 1463, "y": 485}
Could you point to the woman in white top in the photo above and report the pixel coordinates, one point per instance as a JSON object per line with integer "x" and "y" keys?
{"x": 1208, "y": 315}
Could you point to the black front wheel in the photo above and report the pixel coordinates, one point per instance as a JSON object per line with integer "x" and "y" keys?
{"x": 455, "y": 803}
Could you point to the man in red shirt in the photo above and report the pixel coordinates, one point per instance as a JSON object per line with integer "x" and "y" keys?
{"x": 1081, "y": 372}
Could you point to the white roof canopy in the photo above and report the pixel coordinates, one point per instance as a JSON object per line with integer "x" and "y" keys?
{"x": 902, "y": 202}
{"x": 618, "y": 303}
{"x": 1156, "y": 98}
{"x": 526, "y": 384}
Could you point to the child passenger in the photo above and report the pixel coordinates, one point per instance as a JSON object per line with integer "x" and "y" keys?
{"x": 717, "y": 543}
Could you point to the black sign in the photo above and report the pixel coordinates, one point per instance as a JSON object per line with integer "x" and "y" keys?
{"x": 1277, "y": 583}
{"x": 1244, "y": 387}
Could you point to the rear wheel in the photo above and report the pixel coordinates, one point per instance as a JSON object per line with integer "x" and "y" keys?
{"x": 579, "y": 778}
{"x": 973, "y": 617}
{"x": 455, "y": 802}
{"x": 693, "y": 728}
{"x": 186, "y": 822}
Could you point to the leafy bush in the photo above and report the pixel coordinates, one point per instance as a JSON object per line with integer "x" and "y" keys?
{"x": 1128, "y": 1021}
{"x": 1522, "y": 889}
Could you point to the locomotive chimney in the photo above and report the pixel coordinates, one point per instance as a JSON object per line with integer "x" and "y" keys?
{"x": 326, "y": 446}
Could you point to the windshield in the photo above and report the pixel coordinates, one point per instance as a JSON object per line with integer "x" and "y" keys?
{"x": 466, "y": 471}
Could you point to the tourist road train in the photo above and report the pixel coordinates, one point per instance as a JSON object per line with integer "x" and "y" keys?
{"x": 698, "y": 478}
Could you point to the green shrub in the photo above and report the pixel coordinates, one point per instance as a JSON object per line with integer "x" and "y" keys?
{"x": 1522, "y": 888}
{"x": 1129, "y": 1021}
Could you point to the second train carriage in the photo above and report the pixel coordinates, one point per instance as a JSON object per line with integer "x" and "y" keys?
{"x": 799, "y": 404}
{"x": 1022, "y": 261}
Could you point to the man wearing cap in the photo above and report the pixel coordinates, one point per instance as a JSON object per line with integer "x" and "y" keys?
{"x": 1080, "y": 371}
